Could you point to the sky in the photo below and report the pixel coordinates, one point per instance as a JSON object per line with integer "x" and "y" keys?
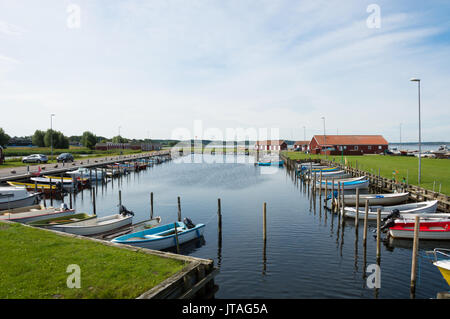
{"x": 154, "y": 68}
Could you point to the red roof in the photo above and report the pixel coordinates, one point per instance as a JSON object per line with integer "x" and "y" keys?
{"x": 302, "y": 143}
{"x": 351, "y": 139}
{"x": 272, "y": 142}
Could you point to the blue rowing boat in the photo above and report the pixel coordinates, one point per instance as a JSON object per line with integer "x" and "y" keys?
{"x": 269, "y": 163}
{"x": 162, "y": 237}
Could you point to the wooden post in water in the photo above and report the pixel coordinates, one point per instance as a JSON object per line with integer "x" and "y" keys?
{"x": 366, "y": 218}
{"x": 151, "y": 205}
{"x": 343, "y": 204}
{"x": 70, "y": 198}
{"x": 93, "y": 201}
{"x": 43, "y": 196}
{"x": 179, "y": 209}
{"x": 333, "y": 202}
{"x": 320, "y": 185}
{"x": 219, "y": 217}
{"x": 176, "y": 237}
{"x": 357, "y": 209}
{"x": 338, "y": 201}
{"x": 378, "y": 233}
{"x": 414, "y": 254}
{"x": 264, "y": 222}
{"x": 51, "y": 193}
{"x": 326, "y": 191}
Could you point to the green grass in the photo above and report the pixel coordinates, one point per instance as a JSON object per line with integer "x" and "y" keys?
{"x": 33, "y": 264}
{"x": 435, "y": 172}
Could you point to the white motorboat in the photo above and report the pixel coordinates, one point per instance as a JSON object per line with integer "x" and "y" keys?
{"x": 14, "y": 197}
{"x": 411, "y": 208}
{"x": 35, "y": 213}
{"x": 376, "y": 199}
{"x": 83, "y": 172}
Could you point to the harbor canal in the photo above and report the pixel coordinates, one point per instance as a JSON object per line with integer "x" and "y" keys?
{"x": 307, "y": 254}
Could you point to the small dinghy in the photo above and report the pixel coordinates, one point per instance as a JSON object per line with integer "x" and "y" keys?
{"x": 428, "y": 230}
{"x": 51, "y": 222}
{"x": 14, "y": 197}
{"x": 98, "y": 225}
{"x": 349, "y": 183}
{"x": 162, "y": 237}
{"x": 375, "y": 199}
{"x": 386, "y": 211}
{"x": 34, "y": 213}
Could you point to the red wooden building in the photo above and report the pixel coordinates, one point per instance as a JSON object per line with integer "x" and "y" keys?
{"x": 301, "y": 145}
{"x": 271, "y": 145}
{"x": 348, "y": 144}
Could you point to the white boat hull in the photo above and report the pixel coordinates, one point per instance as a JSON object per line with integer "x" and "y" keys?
{"x": 413, "y": 208}
{"x": 27, "y": 201}
{"x": 409, "y": 234}
{"x": 37, "y": 215}
{"x": 95, "y": 226}
{"x": 376, "y": 199}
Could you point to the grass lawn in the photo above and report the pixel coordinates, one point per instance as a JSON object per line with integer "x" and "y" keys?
{"x": 33, "y": 264}
{"x": 435, "y": 172}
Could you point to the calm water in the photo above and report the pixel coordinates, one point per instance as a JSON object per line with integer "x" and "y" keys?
{"x": 307, "y": 254}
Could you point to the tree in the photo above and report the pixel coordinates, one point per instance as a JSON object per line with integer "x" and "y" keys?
{"x": 4, "y": 138}
{"x": 88, "y": 140}
{"x": 119, "y": 139}
{"x": 38, "y": 138}
{"x": 55, "y": 138}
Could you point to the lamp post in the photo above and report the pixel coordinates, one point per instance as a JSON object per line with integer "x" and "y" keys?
{"x": 420, "y": 146}
{"x": 324, "y": 136}
{"x": 51, "y": 133}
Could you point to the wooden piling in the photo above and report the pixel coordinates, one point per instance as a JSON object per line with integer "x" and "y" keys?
{"x": 326, "y": 190}
{"x": 343, "y": 203}
{"x": 93, "y": 201}
{"x": 151, "y": 205}
{"x": 179, "y": 209}
{"x": 219, "y": 217}
{"x": 414, "y": 254}
{"x": 366, "y": 218}
{"x": 333, "y": 202}
{"x": 320, "y": 185}
{"x": 357, "y": 209}
{"x": 264, "y": 221}
{"x": 338, "y": 201}
{"x": 176, "y": 237}
{"x": 43, "y": 197}
{"x": 120, "y": 197}
{"x": 378, "y": 233}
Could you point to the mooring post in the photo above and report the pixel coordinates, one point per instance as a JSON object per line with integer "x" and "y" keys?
{"x": 378, "y": 233}
{"x": 338, "y": 201}
{"x": 219, "y": 217}
{"x": 343, "y": 200}
{"x": 176, "y": 237}
{"x": 70, "y": 198}
{"x": 333, "y": 201}
{"x": 93, "y": 201}
{"x": 264, "y": 221}
{"x": 51, "y": 193}
{"x": 357, "y": 209}
{"x": 414, "y": 254}
{"x": 326, "y": 191}
{"x": 366, "y": 218}
{"x": 43, "y": 196}
{"x": 320, "y": 185}
{"x": 179, "y": 209}
{"x": 151, "y": 205}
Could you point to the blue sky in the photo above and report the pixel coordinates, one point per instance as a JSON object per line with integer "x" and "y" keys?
{"x": 151, "y": 67}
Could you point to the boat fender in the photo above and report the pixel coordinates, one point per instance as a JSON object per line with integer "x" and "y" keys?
{"x": 188, "y": 223}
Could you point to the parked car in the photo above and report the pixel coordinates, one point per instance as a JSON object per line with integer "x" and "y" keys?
{"x": 35, "y": 158}
{"x": 65, "y": 157}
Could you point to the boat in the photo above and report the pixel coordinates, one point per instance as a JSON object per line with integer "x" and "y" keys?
{"x": 35, "y": 214}
{"x": 162, "y": 237}
{"x": 348, "y": 183}
{"x": 386, "y": 211}
{"x": 13, "y": 197}
{"x": 330, "y": 174}
{"x": 83, "y": 172}
{"x": 66, "y": 184}
{"x": 271, "y": 162}
{"x": 432, "y": 230}
{"x": 45, "y": 189}
{"x": 49, "y": 223}
{"x": 376, "y": 199}
{"x": 442, "y": 262}
{"x": 83, "y": 181}
{"x": 96, "y": 226}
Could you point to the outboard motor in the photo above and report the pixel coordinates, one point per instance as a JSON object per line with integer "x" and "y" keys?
{"x": 189, "y": 224}
{"x": 64, "y": 207}
{"x": 389, "y": 221}
{"x": 124, "y": 211}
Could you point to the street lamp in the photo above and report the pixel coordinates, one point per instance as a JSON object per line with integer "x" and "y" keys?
{"x": 51, "y": 133}
{"x": 324, "y": 135}
{"x": 420, "y": 146}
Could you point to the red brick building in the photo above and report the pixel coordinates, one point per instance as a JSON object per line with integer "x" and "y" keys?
{"x": 348, "y": 144}
{"x": 271, "y": 145}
